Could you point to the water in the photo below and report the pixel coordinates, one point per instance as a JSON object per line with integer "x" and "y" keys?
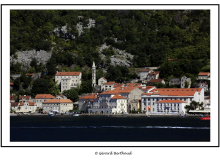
{"x": 104, "y": 128}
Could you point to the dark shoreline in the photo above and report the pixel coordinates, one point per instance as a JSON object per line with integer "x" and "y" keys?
{"x": 114, "y": 115}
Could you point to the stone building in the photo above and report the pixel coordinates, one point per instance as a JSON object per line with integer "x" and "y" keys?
{"x": 40, "y": 98}
{"x": 25, "y": 98}
{"x": 101, "y": 82}
{"x": 68, "y": 80}
{"x": 57, "y": 105}
{"x": 180, "y": 81}
{"x": 143, "y": 73}
{"x": 103, "y": 100}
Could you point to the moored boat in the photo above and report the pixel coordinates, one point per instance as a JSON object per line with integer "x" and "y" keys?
{"x": 205, "y": 118}
{"x": 75, "y": 114}
{"x": 50, "y": 114}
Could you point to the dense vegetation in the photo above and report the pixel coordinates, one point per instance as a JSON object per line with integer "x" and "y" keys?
{"x": 151, "y": 36}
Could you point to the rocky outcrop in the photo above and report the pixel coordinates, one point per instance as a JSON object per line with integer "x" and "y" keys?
{"x": 63, "y": 32}
{"x": 121, "y": 57}
{"x": 25, "y": 57}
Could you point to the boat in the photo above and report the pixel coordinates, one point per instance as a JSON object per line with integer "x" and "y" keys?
{"x": 75, "y": 114}
{"x": 50, "y": 114}
{"x": 205, "y": 118}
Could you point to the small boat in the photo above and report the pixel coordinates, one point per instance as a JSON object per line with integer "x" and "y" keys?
{"x": 50, "y": 114}
{"x": 205, "y": 118}
{"x": 75, "y": 114}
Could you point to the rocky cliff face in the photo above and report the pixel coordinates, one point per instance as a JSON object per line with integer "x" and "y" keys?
{"x": 120, "y": 58}
{"x": 25, "y": 57}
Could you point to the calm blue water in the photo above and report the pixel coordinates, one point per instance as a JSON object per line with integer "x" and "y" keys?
{"x": 104, "y": 128}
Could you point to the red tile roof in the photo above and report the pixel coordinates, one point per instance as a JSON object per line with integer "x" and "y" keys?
{"x": 110, "y": 83}
{"x": 207, "y": 97}
{"x": 14, "y": 103}
{"x": 174, "y": 91}
{"x": 11, "y": 84}
{"x": 204, "y": 73}
{"x": 31, "y": 103}
{"x": 154, "y": 73}
{"x": 104, "y": 78}
{"x": 24, "y": 97}
{"x": 118, "y": 97}
{"x": 170, "y": 101}
{"x": 145, "y": 70}
{"x": 12, "y": 97}
{"x": 68, "y": 74}
{"x": 44, "y": 96}
{"x": 58, "y": 101}
{"x": 91, "y": 96}
{"x": 155, "y": 81}
{"x": 29, "y": 74}
{"x": 118, "y": 85}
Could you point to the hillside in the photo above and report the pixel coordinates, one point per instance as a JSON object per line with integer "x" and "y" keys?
{"x": 135, "y": 38}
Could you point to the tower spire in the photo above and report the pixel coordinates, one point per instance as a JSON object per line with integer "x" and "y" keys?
{"x": 93, "y": 74}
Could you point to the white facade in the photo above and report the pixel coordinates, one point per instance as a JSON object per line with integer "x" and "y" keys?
{"x": 109, "y": 86}
{"x": 57, "y": 105}
{"x": 143, "y": 73}
{"x": 101, "y": 82}
{"x": 93, "y": 75}
{"x": 109, "y": 105}
{"x": 148, "y": 100}
{"x": 169, "y": 107}
{"x": 40, "y": 98}
{"x": 68, "y": 80}
{"x": 28, "y": 107}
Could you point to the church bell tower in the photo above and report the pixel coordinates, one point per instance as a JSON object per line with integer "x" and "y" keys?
{"x": 93, "y": 75}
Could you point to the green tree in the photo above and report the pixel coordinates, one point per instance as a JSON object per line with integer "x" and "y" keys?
{"x": 53, "y": 88}
{"x": 40, "y": 86}
{"x": 71, "y": 94}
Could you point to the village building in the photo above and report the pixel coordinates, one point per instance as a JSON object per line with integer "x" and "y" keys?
{"x": 25, "y": 98}
{"x": 143, "y": 73}
{"x": 204, "y": 75}
{"x": 27, "y": 107}
{"x": 109, "y": 86}
{"x": 114, "y": 104}
{"x": 147, "y": 89}
{"x": 40, "y": 98}
{"x": 103, "y": 100}
{"x": 135, "y": 104}
{"x": 101, "y": 83}
{"x": 102, "y": 80}
{"x": 12, "y": 97}
{"x": 57, "y": 105}
{"x": 182, "y": 82}
{"x": 61, "y": 97}
{"x": 207, "y": 104}
{"x": 203, "y": 85}
{"x": 152, "y": 75}
{"x": 68, "y": 80}
{"x": 14, "y": 106}
{"x": 148, "y": 100}
{"x": 169, "y": 107}
{"x": 153, "y": 81}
